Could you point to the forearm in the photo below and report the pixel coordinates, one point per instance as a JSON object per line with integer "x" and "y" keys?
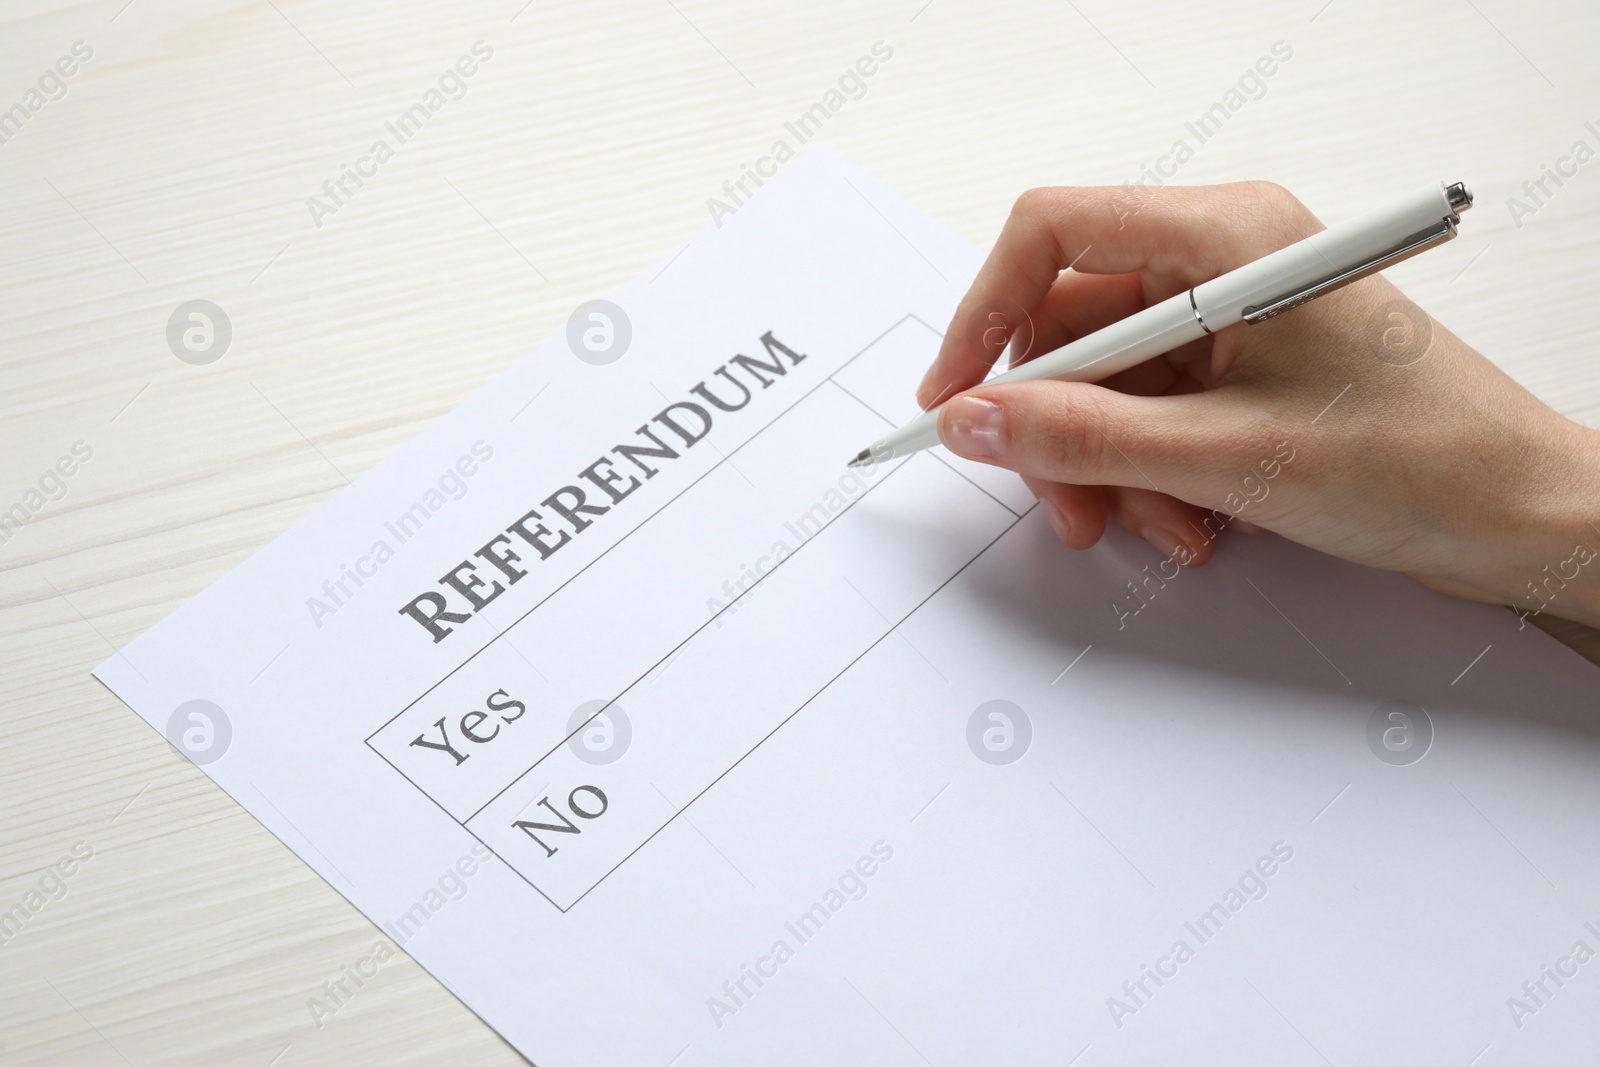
{"x": 1552, "y": 561}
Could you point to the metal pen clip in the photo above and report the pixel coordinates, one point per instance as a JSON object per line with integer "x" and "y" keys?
{"x": 1459, "y": 198}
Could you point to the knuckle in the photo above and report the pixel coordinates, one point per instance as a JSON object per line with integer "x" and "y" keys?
{"x": 1036, "y": 202}
{"x": 1264, "y": 216}
{"x": 1271, "y": 192}
{"x": 1282, "y": 208}
{"x": 1072, "y": 440}
{"x": 1272, "y": 197}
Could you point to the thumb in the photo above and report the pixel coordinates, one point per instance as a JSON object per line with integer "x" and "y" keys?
{"x": 1186, "y": 445}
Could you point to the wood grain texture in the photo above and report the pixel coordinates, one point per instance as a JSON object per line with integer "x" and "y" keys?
{"x": 178, "y": 165}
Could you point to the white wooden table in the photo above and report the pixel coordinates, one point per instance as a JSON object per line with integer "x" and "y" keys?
{"x": 177, "y": 161}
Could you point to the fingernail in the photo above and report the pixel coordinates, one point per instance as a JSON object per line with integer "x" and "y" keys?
{"x": 1166, "y": 544}
{"x": 973, "y": 427}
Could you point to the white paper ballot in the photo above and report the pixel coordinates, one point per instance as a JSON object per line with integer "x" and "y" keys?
{"x": 662, "y": 738}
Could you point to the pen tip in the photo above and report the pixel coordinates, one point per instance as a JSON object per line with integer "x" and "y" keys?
{"x": 862, "y": 458}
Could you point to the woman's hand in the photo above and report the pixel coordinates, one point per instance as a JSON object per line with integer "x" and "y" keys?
{"x": 1354, "y": 424}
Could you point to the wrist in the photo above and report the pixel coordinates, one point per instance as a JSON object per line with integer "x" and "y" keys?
{"x": 1554, "y": 566}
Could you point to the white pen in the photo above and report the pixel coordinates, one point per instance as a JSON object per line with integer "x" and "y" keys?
{"x": 1256, "y": 291}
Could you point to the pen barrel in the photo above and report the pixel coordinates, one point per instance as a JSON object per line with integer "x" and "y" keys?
{"x": 1260, "y": 289}
{"x": 1224, "y": 301}
{"x": 1143, "y": 335}
{"x": 1156, "y": 330}
{"x": 921, "y": 432}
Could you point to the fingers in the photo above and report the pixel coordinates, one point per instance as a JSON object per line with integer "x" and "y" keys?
{"x": 1078, "y": 305}
{"x": 1183, "y": 445}
{"x": 1177, "y": 237}
{"x": 1078, "y": 514}
{"x": 1176, "y": 529}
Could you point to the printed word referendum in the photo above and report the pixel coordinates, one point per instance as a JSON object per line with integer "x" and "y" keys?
{"x": 572, "y": 508}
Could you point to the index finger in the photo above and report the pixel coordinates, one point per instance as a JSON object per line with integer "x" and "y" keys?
{"x": 1175, "y": 236}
